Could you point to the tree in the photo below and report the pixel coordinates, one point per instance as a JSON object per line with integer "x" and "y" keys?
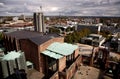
{"x": 54, "y": 30}
{"x": 107, "y": 34}
{"x": 68, "y": 39}
{"x": 76, "y": 36}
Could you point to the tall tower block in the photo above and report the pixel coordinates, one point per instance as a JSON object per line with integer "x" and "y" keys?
{"x": 39, "y": 22}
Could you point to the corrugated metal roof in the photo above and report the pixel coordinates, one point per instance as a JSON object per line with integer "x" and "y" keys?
{"x": 52, "y": 54}
{"x": 12, "y": 55}
{"x": 62, "y": 48}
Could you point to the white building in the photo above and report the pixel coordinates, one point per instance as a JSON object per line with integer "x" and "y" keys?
{"x": 93, "y": 39}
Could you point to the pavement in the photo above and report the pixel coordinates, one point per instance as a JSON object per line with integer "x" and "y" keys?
{"x": 34, "y": 74}
{"x": 87, "y": 72}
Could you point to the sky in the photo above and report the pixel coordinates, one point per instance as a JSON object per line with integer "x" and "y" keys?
{"x": 60, "y": 7}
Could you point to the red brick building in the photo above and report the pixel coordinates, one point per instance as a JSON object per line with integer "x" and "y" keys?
{"x": 39, "y": 48}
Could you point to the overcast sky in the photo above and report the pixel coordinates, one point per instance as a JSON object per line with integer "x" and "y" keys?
{"x": 62, "y": 7}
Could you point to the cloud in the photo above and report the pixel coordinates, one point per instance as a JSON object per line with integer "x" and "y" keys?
{"x": 65, "y": 7}
{"x": 1, "y": 4}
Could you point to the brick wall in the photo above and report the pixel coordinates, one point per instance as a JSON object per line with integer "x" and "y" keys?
{"x": 10, "y": 43}
{"x": 31, "y": 52}
{"x": 76, "y": 53}
{"x": 42, "y": 63}
{"x": 61, "y": 63}
{"x": 55, "y": 76}
{"x": 78, "y": 61}
{"x": 71, "y": 70}
{"x": 43, "y": 47}
{"x": 58, "y": 39}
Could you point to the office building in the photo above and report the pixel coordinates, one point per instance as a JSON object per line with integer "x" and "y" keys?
{"x": 39, "y": 22}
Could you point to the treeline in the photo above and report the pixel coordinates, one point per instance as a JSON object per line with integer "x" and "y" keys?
{"x": 108, "y": 21}
{"x": 76, "y": 36}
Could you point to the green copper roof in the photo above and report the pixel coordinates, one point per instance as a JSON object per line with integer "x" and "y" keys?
{"x": 52, "y": 54}
{"x": 12, "y": 55}
{"x": 62, "y": 48}
{"x": 57, "y": 50}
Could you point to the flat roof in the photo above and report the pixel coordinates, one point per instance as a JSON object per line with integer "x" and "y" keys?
{"x": 28, "y": 63}
{"x": 62, "y": 48}
{"x": 57, "y": 50}
{"x": 52, "y": 54}
{"x": 85, "y": 49}
{"x": 96, "y": 35}
{"x": 11, "y": 55}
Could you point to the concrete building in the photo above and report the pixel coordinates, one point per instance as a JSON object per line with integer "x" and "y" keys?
{"x": 115, "y": 42}
{"x": 12, "y": 62}
{"x": 93, "y": 39}
{"x": 39, "y": 22}
{"x": 46, "y": 52}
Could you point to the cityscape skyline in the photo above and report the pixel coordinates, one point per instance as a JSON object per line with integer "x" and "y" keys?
{"x": 61, "y": 7}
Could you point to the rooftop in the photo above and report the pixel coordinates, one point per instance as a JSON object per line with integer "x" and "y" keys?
{"x": 85, "y": 49}
{"x": 52, "y": 54}
{"x": 12, "y": 55}
{"x": 95, "y": 35}
{"x": 60, "y": 47}
{"x": 58, "y": 50}
{"x": 36, "y": 37}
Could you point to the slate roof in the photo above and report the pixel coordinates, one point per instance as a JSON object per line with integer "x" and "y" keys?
{"x": 36, "y": 37}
